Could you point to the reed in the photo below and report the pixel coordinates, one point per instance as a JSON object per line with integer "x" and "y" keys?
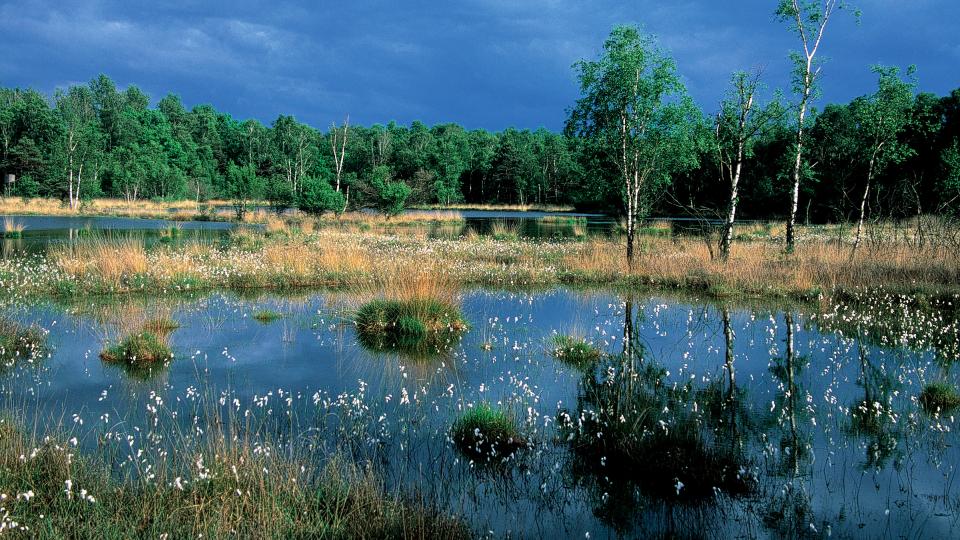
{"x": 11, "y": 228}
{"x": 497, "y": 207}
{"x": 105, "y": 260}
{"x": 222, "y": 486}
{"x": 177, "y": 210}
{"x": 400, "y": 266}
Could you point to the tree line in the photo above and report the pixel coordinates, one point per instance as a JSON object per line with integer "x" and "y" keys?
{"x": 96, "y": 140}
{"x": 635, "y": 144}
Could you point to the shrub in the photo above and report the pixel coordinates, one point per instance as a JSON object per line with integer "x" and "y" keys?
{"x": 389, "y": 197}
{"x": 487, "y": 434}
{"x": 319, "y": 197}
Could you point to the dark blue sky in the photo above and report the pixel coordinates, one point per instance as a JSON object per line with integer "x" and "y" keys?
{"x": 482, "y": 63}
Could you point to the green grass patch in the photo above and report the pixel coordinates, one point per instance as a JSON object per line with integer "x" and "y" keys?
{"x": 161, "y": 326}
{"x": 577, "y": 352}
{"x": 487, "y": 434}
{"x": 267, "y": 316}
{"x": 939, "y": 397}
{"x": 60, "y": 493}
{"x": 416, "y": 327}
{"x": 143, "y": 349}
{"x": 18, "y": 341}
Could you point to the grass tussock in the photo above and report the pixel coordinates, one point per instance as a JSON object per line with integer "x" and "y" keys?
{"x": 222, "y": 490}
{"x": 503, "y": 230}
{"x": 939, "y": 397}
{"x": 144, "y": 349}
{"x": 575, "y": 351}
{"x": 487, "y": 434}
{"x": 11, "y": 228}
{"x": 418, "y": 327}
{"x": 107, "y": 260}
{"x": 266, "y": 316}
{"x": 20, "y": 342}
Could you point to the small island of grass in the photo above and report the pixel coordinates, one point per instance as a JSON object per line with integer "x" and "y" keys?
{"x": 487, "y": 434}
{"x": 417, "y": 325}
{"x": 143, "y": 349}
{"x": 20, "y": 342}
{"x": 939, "y": 397}
{"x": 577, "y": 352}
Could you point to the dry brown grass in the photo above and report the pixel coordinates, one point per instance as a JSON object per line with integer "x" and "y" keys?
{"x": 110, "y": 260}
{"x": 11, "y": 226}
{"x": 760, "y": 266}
{"x": 395, "y": 265}
{"x": 275, "y": 224}
{"x": 498, "y": 207}
{"x": 306, "y": 259}
{"x": 414, "y": 217}
{"x": 175, "y": 210}
{"x": 405, "y": 280}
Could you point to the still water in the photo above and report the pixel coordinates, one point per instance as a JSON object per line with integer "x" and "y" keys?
{"x": 817, "y": 410}
{"x": 42, "y": 231}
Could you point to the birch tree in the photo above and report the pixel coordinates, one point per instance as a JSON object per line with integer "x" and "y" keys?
{"x": 738, "y": 125}
{"x": 881, "y": 118}
{"x": 75, "y": 108}
{"x": 807, "y": 19}
{"x": 338, "y": 137}
{"x": 636, "y": 109}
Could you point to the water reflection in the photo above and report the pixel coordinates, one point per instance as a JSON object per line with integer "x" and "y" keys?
{"x": 697, "y": 419}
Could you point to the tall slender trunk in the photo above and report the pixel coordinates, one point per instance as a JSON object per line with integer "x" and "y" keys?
{"x": 338, "y": 157}
{"x": 75, "y": 202}
{"x": 628, "y": 330}
{"x": 727, "y": 239}
{"x": 728, "y": 337}
{"x": 70, "y": 174}
{"x": 863, "y": 201}
{"x": 791, "y": 402}
{"x": 797, "y": 162}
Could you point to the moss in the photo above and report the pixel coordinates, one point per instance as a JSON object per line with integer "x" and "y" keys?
{"x": 576, "y": 352}
{"x": 415, "y": 327}
{"x": 939, "y": 397}
{"x": 487, "y": 434}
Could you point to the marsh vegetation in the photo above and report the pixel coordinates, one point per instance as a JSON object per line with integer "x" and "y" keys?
{"x": 677, "y": 414}
{"x": 334, "y": 364}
